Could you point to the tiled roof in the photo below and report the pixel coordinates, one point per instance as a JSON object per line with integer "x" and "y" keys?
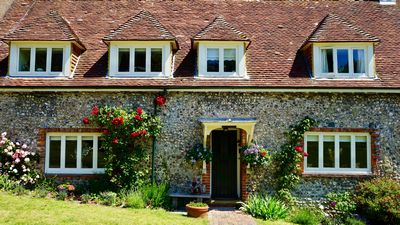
{"x": 43, "y": 27}
{"x": 334, "y": 28}
{"x": 142, "y": 26}
{"x": 219, "y": 29}
{"x": 277, "y": 30}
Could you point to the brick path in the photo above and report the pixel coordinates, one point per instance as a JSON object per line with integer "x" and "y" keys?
{"x": 229, "y": 216}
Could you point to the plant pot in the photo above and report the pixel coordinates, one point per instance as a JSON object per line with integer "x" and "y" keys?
{"x": 196, "y": 211}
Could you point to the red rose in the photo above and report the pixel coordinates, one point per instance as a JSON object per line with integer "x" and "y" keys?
{"x": 105, "y": 131}
{"x": 118, "y": 121}
{"x": 305, "y": 154}
{"x": 263, "y": 154}
{"x": 160, "y": 100}
{"x": 143, "y": 132}
{"x": 137, "y": 117}
{"x": 135, "y": 134}
{"x": 139, "y": 110}
{"x": 298, "y": 149}
{"x": 115, "y": 141}
{"x": 95, "y": 110}
{"x": 85, "y": 120}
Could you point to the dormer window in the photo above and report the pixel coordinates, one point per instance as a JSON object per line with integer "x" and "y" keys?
{"x": 146, "y": 54}
{"x": 35, "y": 52}
{"x": 336, "y": 61}
{"x": 349, "y": 55}
{"x": 40, "y": 59}
{"x": 221, "y": 50}
{"x": 221, "y": 59}
{"x": 140, "y": 59}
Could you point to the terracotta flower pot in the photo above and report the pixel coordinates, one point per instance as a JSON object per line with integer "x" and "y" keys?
{"x": 195, "y": 212}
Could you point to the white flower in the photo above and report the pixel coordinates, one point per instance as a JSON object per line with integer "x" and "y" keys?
{"x": 17, "y": 143}
{"x": 15, "y": 170}
{"x": 321, "y": 207}
{"x": 9, "y": 147}
{"x": 37, "y": 176}
{"x": 5, "y": 150}
{"x": 27, "y": 160}
{"x": 9, "y": 153}
{"x": 33, "y": 153}
{"x": 24, "y": 146}
{"x": 4, "y": 134}
{"x": 17, "y": 160}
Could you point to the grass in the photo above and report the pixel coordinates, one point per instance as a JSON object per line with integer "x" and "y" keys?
{"x": 272, "y": 222}
{"x": 28, "y": 210}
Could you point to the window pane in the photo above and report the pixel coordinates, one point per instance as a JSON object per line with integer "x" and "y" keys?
{"x": 359, "y": 60}
{"x": 54, "y": 152}
{"x": 212, "y": 60}
{"x": 87, "y": 152}
{"x": 156, "y": 59}
{"x": 70, "y": 152}
{"x": 40, "y": 59}
{"x": 140, "y": 60}
{"x": 361, "y": 152}
{"x": 56, "y": 59}
{"x": 327, "y": 60}
{"x": 123, "y": 60}
{"x": 312, "y": 150}
{"x": 343, "y": 60}
{"x": 329, "y": 151}
{"x": 345, "y": 152}
{"x": 229, "y": 60}
{"x": 24, "y": 59}
{"x": 101, "y": 161}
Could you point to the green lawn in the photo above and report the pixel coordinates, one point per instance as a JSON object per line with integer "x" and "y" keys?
{"x": 28, "y": 210}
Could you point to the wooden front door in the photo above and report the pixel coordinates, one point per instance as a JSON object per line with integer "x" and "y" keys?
{"x": 224, "y": 164}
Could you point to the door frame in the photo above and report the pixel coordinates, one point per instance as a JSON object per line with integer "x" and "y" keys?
{"x": 237, "y": 163}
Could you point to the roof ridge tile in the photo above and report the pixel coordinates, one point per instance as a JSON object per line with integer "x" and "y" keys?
{"x": 203, "y": 34}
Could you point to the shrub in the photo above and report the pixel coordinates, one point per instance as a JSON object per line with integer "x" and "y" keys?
{"x": 134, "y": 200}
{"x": 108, "y": 198}
{"x": 17, "y": 161}
{"x": 156, "y": 196}
{"x": 265, "y": 207}
{"x": 46, "y": 183}
{"x": 62, "y": 195}
{"x": 341, "y": 204}
{"x": 353, "y": 221}
{"x": 379, "y": 200}
{"x": 40, "y": 192}
{"x": 19, "y": 190}
{"x": 6, "y": 183}
{"x": 306, "y": 217}
{"x": 86, "y": 198}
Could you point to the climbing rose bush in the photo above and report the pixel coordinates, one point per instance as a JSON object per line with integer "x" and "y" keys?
{"x": 17, "y": 161}
{"x": 125, "y": 134}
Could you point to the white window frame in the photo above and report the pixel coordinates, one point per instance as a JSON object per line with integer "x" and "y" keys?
{"x": 79, "y": 169}
{"x": 368, "y": 54}
{"x": 240, "y": 71}
{"x": 166, "y": 66}
{"x": 387, "y": 2}
{"x": 337, "y": 169}
{"x": 14, "y": 59}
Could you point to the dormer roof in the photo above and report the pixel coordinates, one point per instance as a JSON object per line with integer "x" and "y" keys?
{"x": 334, "y": 28}
{"x": 45, "y": 27}
{"x": 141, "y": 27}
{"x": 220, "y": 30}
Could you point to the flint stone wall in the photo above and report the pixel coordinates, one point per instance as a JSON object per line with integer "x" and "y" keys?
{"x": 23, "y": 113}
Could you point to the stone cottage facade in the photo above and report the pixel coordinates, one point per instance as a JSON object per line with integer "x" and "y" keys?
{"x": 232, "y": 72}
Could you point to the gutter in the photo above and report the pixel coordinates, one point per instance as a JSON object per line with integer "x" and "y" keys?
{"x": 204, "y": 89}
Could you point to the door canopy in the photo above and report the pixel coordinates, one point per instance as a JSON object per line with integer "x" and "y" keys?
{"x": 210, "y": 124}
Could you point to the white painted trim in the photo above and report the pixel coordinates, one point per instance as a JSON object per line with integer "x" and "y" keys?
{"x": 387, "y": 2}
{"x": 78, "y": 169}
{"x": 240, "y": 60}
{"x": 14, "y": 59}
{"x": 369, "y": 61}
{"x": 166, "y": 67}
{"x": 336, "y": 169}
{"x": 206, "y": 89}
